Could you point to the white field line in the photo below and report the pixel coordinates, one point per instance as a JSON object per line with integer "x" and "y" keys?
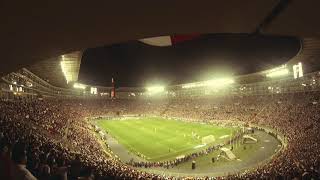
{"x": 224, "y": 136}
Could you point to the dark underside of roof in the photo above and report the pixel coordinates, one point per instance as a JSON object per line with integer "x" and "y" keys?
{"x": 209, "y": 56}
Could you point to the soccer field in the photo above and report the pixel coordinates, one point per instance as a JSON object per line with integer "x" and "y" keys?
{"x": 162, "y": 139}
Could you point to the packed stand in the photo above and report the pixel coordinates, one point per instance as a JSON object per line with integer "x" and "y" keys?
{"x": 52, "y": 139}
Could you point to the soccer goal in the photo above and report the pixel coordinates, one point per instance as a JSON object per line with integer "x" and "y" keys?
{"x": 208, "y": 139}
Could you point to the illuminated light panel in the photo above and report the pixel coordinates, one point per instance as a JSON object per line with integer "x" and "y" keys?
{"x": 297, "y": 70}
{"x": 278, "y": 73}
{"x": 93, "y": 90}
{"x": 79, "y": 86}
{"x": 215, "y": 83}
{"x": 155, "y": 89}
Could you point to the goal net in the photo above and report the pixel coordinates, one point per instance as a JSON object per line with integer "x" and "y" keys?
{"x": 208, "y": 139}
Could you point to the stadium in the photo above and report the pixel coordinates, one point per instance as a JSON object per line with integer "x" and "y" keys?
{"x": 132, "y": 98}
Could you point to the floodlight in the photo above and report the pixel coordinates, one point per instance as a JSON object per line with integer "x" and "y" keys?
{"x": 155, "y": 89}
{"x": 70, "y": 64}
{"x": 214, "y": 83}
{"x": 79, "y": 86}
{"x": 278, "y": 73}
{"x": 65, "y": 70}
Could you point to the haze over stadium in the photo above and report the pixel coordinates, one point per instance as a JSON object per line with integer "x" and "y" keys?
{"x": 150, "y": 90}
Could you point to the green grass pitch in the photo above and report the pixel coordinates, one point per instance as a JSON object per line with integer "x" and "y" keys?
{"x": 162, "y": 139}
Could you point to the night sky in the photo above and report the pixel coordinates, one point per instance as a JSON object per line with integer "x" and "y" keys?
{"x": 137, "y": 64}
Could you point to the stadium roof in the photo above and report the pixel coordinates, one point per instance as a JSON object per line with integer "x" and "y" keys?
{"x": 32, "y": 32}
{"x": 299, "y": 18}
{"x": 58, "y": 71}
{"x": 308, "y": 54}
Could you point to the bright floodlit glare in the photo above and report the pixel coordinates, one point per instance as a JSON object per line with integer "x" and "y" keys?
{"x": 65, "y": 69}
{"x": 278, "y": 73}
{"x": 155, "y": 89}
{"x": 70, "y": 65}
{"x": 79, "y": 86}
{"x": 214, "y": 83}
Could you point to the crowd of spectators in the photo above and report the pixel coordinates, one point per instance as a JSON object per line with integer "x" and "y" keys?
{"x": 52, "y": 139}
{"x": 296, "y": 115}
{"x": 175, "y": 162}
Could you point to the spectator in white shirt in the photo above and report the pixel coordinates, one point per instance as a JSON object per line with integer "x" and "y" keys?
{"x": 19, "y": 157}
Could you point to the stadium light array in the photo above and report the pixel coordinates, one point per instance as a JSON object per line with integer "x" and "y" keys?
{"x": 214, "y": 83}
{"x": 155, "y": 89}
{"x": 278, "y": 71}
{"x": 79, "y": 86}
